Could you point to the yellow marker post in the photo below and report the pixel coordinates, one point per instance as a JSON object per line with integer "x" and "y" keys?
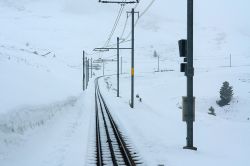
{"x": 132, "y": 71}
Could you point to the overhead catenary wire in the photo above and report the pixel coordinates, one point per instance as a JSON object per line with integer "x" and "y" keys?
{"x": 115, "y": 25}
{"x": 126, "y": 39}
{"x": 124, "y": 28}
{"x": 136, "y": 22}
{"x": 125, "y": 25}
{"x": 113, "y": 29}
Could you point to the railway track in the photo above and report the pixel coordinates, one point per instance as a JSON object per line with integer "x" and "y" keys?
{"x": 111, "y": 149}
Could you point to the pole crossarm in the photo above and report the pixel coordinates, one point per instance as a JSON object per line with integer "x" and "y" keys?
{"x": 120, "y": 2}
{"x": 104, "y": 60}
{"x": 138, "y": 13}
{"x": 101, "y": 49}
{"x": 107, "y": 49}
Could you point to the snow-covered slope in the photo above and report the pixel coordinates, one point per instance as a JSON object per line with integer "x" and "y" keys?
{"x": 41, "y": 49}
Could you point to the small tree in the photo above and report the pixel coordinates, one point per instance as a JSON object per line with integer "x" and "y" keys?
{"x": 226, "y": 94}
{"x": 211, "y": 111}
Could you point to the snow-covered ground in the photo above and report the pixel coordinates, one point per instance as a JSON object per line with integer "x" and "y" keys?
{"x": 45, "y": 119}
{"x": 155, "y": 125}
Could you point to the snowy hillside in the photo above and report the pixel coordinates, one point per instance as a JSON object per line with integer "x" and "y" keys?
{"x": 45, "y": 114}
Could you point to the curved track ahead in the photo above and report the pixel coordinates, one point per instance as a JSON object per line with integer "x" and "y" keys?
{"x": 111, "y": 149}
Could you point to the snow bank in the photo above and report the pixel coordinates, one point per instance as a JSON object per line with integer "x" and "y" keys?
{"x": 18, "y": 121}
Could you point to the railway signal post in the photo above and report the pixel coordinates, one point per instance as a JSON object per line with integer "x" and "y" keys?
{"x": 188, "y": 102}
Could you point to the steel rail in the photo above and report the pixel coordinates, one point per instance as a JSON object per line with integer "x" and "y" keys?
{"x": 98, "y": 137}
{"x": 109, "y": 141}
{"x": 124, "y": 151}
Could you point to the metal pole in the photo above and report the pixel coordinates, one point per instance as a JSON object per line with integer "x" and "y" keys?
{"x": 132, "y": 60}
{"x": 83, "y": 70}
{"x": 190, "y": 74}
{"x": 118, "y": 81}
{"x": 91, "y": 67}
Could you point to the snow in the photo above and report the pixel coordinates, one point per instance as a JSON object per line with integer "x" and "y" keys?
{"x": 46, "y": 119}
{"x": 155, "y": 125}
{"x": 51, "y": 135}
